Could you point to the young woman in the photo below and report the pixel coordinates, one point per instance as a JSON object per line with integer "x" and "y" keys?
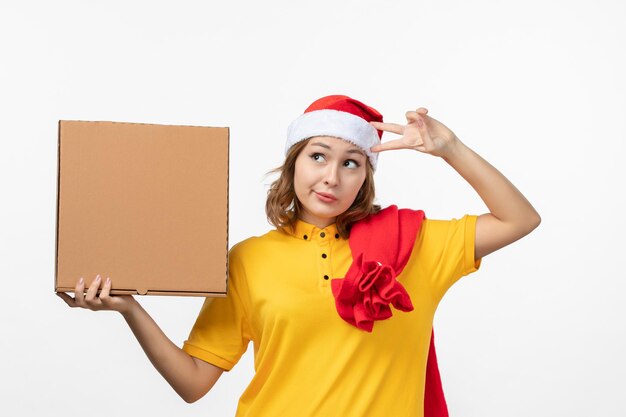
{"x": 315, "y": 294}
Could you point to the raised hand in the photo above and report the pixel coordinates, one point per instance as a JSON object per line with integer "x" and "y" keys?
{"x": 422, "y": 133}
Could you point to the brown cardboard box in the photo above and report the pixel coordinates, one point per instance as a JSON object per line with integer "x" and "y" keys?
{"x": 144, "y": 204}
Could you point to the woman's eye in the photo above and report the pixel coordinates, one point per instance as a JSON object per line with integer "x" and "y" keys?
{"x": 317, "y": 157}
{"x": 354, "y": 163}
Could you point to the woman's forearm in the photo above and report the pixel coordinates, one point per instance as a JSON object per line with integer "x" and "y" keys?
{"x": 175, "y": 365}
{"x": 501, "y": 197}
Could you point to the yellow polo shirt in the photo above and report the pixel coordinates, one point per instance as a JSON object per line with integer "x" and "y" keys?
{"x": 308, "y": 361}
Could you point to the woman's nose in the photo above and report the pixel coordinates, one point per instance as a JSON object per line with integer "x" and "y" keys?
{"x": 331, "y": 175}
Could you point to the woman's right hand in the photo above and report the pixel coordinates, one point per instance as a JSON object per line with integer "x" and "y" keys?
{"x": 104, "y": 301}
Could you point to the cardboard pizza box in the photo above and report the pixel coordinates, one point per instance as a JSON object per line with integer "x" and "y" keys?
{"x": 144, "y": 204}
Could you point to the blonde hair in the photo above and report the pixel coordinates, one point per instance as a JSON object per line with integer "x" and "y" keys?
{"x": 283, "y": 208}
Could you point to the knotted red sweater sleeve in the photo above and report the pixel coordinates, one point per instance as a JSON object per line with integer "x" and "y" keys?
{"x": 381, "y": 246}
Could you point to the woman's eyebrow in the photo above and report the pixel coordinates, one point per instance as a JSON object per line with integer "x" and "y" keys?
{"x": 360, "y": 152}
{"x": 323, "y": 145}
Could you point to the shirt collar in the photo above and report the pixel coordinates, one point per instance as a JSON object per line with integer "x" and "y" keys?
{"x": 306, "y": 231}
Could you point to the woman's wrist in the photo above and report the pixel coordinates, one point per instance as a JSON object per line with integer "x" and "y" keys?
{"x": 131, "y": 310}
{"x": 454, "y": 151}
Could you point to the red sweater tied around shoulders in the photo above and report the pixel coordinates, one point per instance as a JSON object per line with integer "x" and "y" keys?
{"x": 381, "y": 245}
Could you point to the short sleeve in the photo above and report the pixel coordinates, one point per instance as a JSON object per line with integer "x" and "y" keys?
{"x": 221, "y": 332}
{"x": 446, "y": 251}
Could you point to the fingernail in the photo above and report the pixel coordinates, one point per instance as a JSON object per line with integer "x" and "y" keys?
{"x": 81, "y": 280}
{"x": 108, "y": 280}
{"x": 420, "y": 123}
{"x": 98, "y": 277}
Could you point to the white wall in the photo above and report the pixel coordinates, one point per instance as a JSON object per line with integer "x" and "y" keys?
{"x": 533, "y": 86}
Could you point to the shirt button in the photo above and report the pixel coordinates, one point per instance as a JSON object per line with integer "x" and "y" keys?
{"x": 305, "y": 237}
{"x": 337, "y": 235}
{"x": 324, "y": 255}
{"x": 325, "y": 276}
{"x": 323, "y": 234}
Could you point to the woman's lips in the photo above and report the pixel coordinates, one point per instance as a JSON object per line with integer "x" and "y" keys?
{"x": 326, "y": 198}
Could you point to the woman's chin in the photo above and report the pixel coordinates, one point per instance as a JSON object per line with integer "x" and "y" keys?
{"x": 322, "y": 214}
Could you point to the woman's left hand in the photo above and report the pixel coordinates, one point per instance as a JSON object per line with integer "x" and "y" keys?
{"x": 422, "y": 133}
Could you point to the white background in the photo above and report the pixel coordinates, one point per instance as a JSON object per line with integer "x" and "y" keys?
{"x": 535, "y": 87}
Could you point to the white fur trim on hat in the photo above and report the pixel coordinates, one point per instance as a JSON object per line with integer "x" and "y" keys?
{"x": 327, "y": 122}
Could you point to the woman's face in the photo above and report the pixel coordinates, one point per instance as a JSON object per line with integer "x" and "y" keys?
{"x": 328, "y": 175}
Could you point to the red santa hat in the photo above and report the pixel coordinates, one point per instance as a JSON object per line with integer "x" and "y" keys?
{"x": 339, "y": 116}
